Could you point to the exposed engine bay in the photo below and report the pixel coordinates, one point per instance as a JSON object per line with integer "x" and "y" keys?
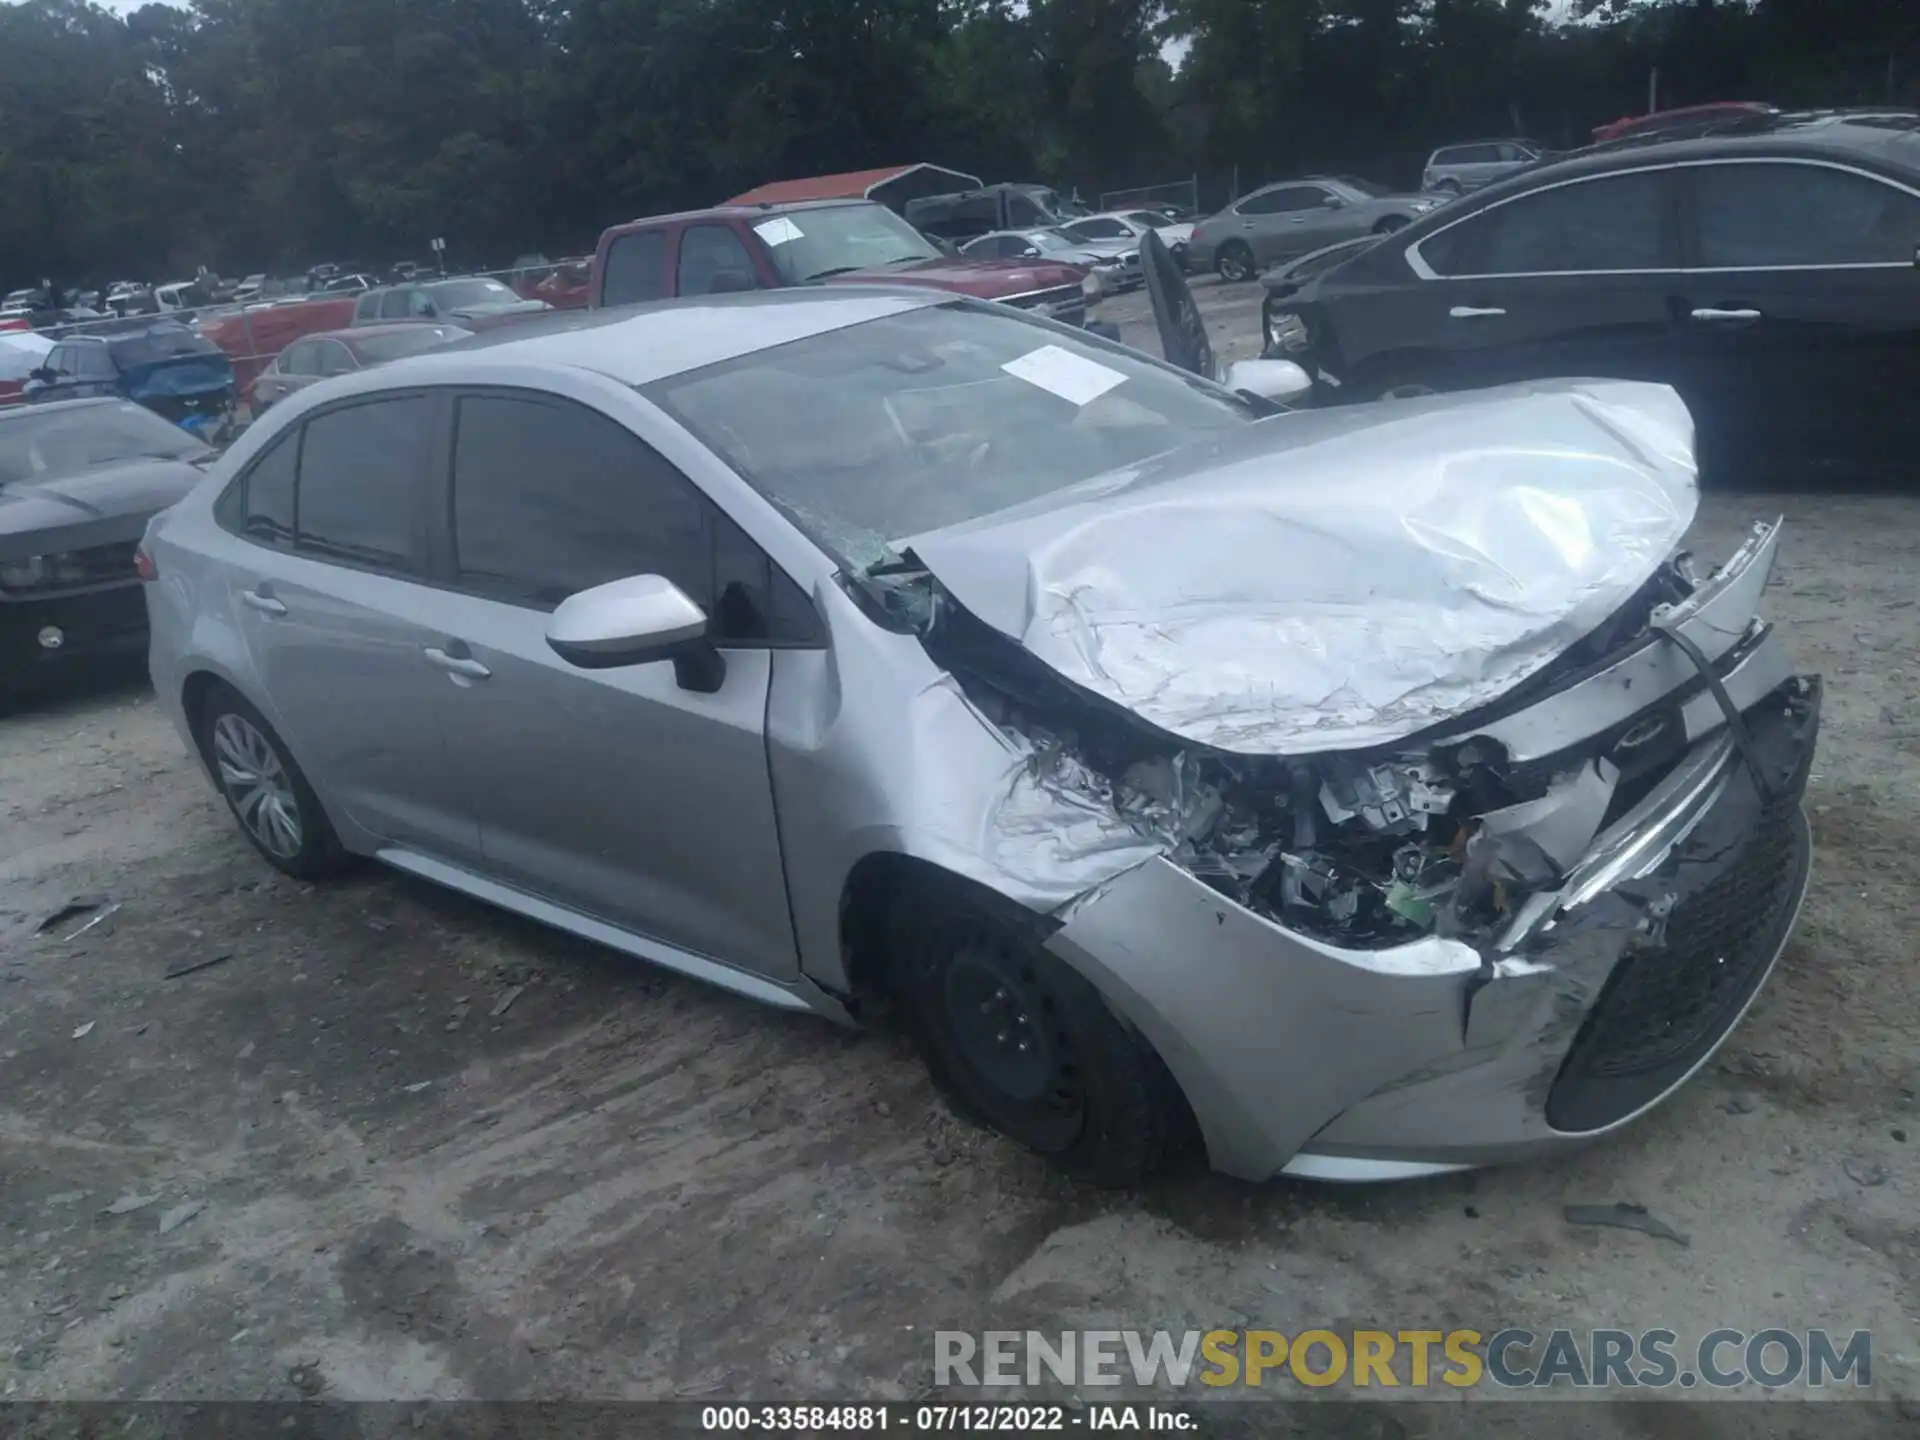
{"x": 1360, "y": 849}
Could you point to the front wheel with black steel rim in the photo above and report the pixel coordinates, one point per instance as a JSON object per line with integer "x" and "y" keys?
{"x": 275, "y": 806}
{"x": 1234, "y": 262}
{"x": 1022, "y": 1043}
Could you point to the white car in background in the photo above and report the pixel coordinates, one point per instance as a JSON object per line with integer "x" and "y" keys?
{"x": 1125, "y": 224}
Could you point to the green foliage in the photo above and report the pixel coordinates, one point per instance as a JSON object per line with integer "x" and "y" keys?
{"x": 249, "y": 134}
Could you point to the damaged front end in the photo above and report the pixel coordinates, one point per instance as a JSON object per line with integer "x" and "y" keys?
{"x": 1520, "y": 925}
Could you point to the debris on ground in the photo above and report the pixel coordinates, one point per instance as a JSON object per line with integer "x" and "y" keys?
{"x": 180, "y": 1214}
{"x": 127, "y": 1204}
{"x": 175, "y": 974}
{"x": 84, "y": 1031}
{"x": 306, "y": 1378}
{"x": 76, "y": 907}
{"x": 106, "y": 914}
{"x": 1624, "y": 1215}
{"x": 500, "y": 1005}
{"x": 1864, "y": 1172}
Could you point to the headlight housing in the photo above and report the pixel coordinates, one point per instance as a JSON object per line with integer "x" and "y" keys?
{"x": 44, "y": 572}
{"x": 1288, "y": 331}
{"x": 32, "y": 573}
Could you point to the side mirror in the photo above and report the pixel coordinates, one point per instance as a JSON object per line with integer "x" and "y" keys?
{"x": 1333, "y": 202}
{"x": 637, "y": 621}
{"x": 1280, "y": 381}
{"x": 43, "y": 374}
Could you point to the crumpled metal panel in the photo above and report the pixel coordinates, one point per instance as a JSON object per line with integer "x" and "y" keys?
{"x": 1340, "y": 579}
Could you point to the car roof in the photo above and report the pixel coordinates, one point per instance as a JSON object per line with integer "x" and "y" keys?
{"x": 358, "y": 333}
{"x": 639, "y": 344}
{"x": 1890, "y": 135}
{"x": 744, "y": 212}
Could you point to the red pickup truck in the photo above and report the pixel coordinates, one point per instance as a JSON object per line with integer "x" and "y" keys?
{"x": 832, "y": 242}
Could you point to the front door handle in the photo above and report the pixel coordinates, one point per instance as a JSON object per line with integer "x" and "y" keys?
{"x": 1475, "y": 312}
{"x": 1713, "y": 315}
{"x": 264, "y": 603}
{"x": 458, "y": 664}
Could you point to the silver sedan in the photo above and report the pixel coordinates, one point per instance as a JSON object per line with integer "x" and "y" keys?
{"x": 1326, "y": 788}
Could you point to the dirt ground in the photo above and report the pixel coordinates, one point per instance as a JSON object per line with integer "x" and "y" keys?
{"x": 439, "y": 1152}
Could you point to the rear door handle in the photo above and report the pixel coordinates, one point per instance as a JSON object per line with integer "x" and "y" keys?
{"x": 458, "y": 664}
{"x": 265, "y": 604}
{"x": 1475, "y": 312}
{"x": 1714, "y": 315}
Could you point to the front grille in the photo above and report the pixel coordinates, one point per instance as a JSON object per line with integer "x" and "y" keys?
{"x": 1065, "y": 303}
{"x": 73, "y": 569}
{"x": 1667, "y": 1005}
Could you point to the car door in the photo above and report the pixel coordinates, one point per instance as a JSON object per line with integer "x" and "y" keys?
{"x": 1800, "y": 312}
{"x": 1567, "y": 280}
{"x": 1294, "y": 219}
{"x": 613, "y": 792}
{"x": 329, "y": 599}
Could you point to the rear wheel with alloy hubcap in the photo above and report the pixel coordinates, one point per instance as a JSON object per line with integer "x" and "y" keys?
{"x": 269, "y": 796}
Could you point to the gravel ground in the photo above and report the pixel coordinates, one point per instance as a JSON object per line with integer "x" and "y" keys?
{"x": 396, "y": 1145}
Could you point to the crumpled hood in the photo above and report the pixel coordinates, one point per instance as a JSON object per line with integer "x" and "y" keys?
{"x": 1340, "y": 579}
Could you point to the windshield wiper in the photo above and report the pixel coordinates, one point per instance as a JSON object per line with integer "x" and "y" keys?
{"x": 834, "y": 270}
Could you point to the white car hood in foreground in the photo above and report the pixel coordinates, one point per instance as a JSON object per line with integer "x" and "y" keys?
{"x": 1342, "y": 578}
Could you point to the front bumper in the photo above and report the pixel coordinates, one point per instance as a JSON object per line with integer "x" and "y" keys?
{"x": 103, "y": 622}
{"x": 1296, "y": 1055}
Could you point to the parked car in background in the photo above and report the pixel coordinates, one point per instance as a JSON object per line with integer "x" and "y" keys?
{"x": 1114, "y": 725}
{"x": 563, "y": 284}
{"x": 832, "y": 242}
{"x": 965, "y": 214}
{"x": 1295, "y": 217}
{"x": 163, "y": 365}
{"x": 249, "y": 288}
{"x": 1130, "y": 225}
{"x": 1116, "y": 263}
{"x": 181, "y": 295}
{"x": 342, "y": 352}
{"x": 472, "y": 300}
{"x": 348, "y": 284}
{"x": 79, "y": 479}
{"x": 1769, "y": 276}
{"x": 251, "y": 336}
{"x": 1691, "y": 118}
{"x": 1456, "y": 169}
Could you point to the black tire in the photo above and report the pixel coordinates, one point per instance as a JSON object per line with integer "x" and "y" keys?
{"x": 1390, "y": 224}
{"x": 1449, "y": 187}
{"x": 1234, "y": 262}
{"x": 1020, "y": 1042}
{"x": 318, "y": 853}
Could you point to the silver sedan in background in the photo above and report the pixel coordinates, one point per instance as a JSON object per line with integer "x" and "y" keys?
{"x": 1296, "y": 217}
{"x": 1323, "y": 785}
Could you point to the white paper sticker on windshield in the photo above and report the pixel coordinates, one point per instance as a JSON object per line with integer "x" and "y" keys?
{"x": 777, "y": 231}
{"x": 1060, "y": 372}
